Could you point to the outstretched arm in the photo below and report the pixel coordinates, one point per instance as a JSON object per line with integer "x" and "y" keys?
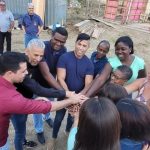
{"x": 48, "y": 76}
{"x": 39, "y": 90}
{"x": 99, "y": 81}
{"x": 61, "y": 75}
{"x": 134, "y": 86}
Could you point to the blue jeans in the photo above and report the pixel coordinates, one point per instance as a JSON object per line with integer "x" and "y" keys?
{"x": 38, "y": 121}
{"x": 6, "y": 146}
{"x": 19, "y": 123}
{"x": 27, "y": 39}
{"x": 58, "y": 120}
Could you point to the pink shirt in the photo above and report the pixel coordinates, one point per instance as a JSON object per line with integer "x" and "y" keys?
{"x": 12, "y": 102}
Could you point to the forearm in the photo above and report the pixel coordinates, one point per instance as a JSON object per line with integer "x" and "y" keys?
{"x": 12, "y": 25}
{"x": 135, "y": 86}
{"x": 52, "y": 82}
{"x": 63, "y": 84}
{"x": 45, "y": 71}
{"x": 99, "y": 81}
{"x": 40, "y": 29}
{"x": 94, "y": 88}
{"x": 23, "y": 29}
{"x": 76, "y": 120}
{"x": 60, "y": 104}
{"x": 53, "y": 93}
{"x": 84, "y": 91}
{"x": 39, "y": 90}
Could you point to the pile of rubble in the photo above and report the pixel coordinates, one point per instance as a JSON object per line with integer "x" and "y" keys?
{"x": 92, "y": 27}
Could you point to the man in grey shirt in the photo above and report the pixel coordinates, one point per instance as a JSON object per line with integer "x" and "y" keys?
{"x": 6, "y": 26}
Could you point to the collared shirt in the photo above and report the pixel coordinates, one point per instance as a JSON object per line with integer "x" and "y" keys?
{"x": 31, "y": 24}
{"x": 51, "y": 57}
{"x": 99, "y": 63}
{"x": 6, "y": 17}
{"x": 12, "y": 102}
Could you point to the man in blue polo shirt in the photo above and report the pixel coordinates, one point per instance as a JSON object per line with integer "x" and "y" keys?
{"x": 6, "y": 26}
{"x": 32, "y": 24}
{"x": 46, "y": 73}
{"x": 74, "y": 72}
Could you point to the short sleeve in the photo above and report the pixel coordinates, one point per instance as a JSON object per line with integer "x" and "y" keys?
{"x": 140, "y": 62}
{"x": 62, "y": 61}
{"x": 90, "y": 68}
{"x": 23, "y": 22}
{"x": 40, "y": 21}
{"x": 11, "y": 17}
{"x": 114, "y": 62}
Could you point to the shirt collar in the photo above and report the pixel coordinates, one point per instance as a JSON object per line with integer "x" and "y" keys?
{"x": 6, "y": 83}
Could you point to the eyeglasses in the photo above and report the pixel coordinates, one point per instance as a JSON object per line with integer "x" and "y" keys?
{"x": 116, "y": 76}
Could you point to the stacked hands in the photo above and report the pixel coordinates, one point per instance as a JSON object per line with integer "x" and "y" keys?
{"x": 75, "y": 107}
{"x": 75, "y": 99}
{"x": 73, "y": 110}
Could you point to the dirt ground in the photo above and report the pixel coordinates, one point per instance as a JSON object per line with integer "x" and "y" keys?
{"x": 142, "y": 49}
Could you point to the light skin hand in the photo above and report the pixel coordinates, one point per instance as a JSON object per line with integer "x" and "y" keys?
{"x": 69, "y": 94}
{"x": 9, "y": 30}
{"x": 79, "y": 97}
{"x": 73, "y": 95}
{"x": 146, "y": 147}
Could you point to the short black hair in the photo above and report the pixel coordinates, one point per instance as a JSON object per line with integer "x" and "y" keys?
{"x": 82, "y": 36}
{"x": 127, "y": 41}
{"x": 10, "y": 61}
{"x": 60, "y": 30}
{"x": 106, "y": 43}
{"x": 126, "y": 70}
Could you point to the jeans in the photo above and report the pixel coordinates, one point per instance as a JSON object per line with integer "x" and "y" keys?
{"x": 4, "y": 35}
{"x": 38, "y": 121}
{"x": 58, "y": 119}
{"x": 19, "y": 123}
{"x": 6, "y": 146}
{"x": 28, "y": 37}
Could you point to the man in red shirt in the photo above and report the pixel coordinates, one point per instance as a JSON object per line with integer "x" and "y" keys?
{"x": 13, "y": 69}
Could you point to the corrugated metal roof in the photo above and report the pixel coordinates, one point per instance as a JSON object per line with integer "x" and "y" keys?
{"x": 17, "y": 7}
{"x": 55, "y": 10}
